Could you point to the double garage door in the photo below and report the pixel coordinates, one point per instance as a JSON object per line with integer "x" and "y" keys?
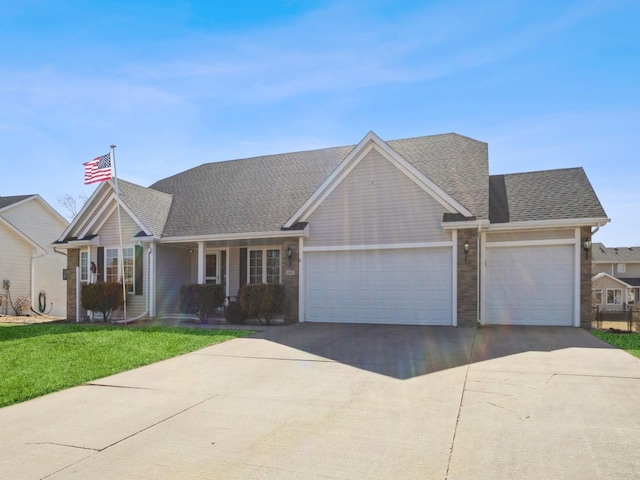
{"x": 530, "y": 285}
{"x": 396, "y": 286}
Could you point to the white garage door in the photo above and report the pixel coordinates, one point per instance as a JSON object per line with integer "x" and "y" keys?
{"x": 530, "y": 285}
{"x": 403, "y": 286}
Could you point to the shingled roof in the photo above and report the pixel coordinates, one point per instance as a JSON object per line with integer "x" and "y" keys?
{"x": 615, "y": 254}
{"x": 262, "y": 193}
{"x": 543, "y": 195}
{"x": 6, "y": 201}
{"x": 149, "y": 206}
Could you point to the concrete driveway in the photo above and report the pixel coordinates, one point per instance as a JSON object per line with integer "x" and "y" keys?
{"x": 313, "y": 401}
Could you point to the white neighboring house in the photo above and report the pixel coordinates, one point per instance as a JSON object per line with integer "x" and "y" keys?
{"x": 29, "y": 265}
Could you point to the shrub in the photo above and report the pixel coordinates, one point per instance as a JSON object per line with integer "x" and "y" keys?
{"x": 261, "y": 300}
{"x": 233, "y": 314}
{"x": 22, "y": 305}
{"x": 201, "y": 299}
{"x": 102, "y": 297}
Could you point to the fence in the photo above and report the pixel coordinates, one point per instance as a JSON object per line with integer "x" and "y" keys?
{"x": 626, "y": 318}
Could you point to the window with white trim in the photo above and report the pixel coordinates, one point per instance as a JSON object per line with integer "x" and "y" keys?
{"x": 264, "y": 265}
{"x": 84, "y": 266}
{"x": 622, "y": 267}
{"x": 631, "y": 296}
{"x": 614, "y": 296}
{"x": 128, "y": 263}
{"x": 597, "y": 296}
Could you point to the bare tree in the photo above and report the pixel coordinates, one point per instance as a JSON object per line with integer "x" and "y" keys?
{"x": 72, "y": 205}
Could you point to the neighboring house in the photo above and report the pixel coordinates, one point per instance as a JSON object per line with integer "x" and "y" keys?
{"x": 411, "y": 231}
{"x": 616, "y": 280}
{"x": 28, "y": 261}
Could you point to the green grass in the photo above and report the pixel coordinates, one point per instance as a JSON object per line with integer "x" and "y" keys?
{"x": 629, "y": 342}
{"x": 40, "y": 359}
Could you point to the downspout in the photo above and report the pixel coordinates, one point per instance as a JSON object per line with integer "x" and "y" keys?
{"x": 478, "y": 277}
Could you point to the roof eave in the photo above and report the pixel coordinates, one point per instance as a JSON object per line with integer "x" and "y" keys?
{"x": 555, "y": 223}
{"x": 237, "y": 236}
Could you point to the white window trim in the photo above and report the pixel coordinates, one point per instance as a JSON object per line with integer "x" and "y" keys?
{"x": 84, "y": 269}
{"x": 622, "y": 268}
{"x": 264, "y": 262}
{"x": 613, "y": 303}
{"x": 595, "y": 290}
{"x": 120, "y": 274}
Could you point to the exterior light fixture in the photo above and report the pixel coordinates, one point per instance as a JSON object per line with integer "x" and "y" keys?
{"x": 466, "y": 249}
{"x": 289, "y": 254}
{"x": 586, "y": 245}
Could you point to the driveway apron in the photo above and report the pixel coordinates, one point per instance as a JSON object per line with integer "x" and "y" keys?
{"x": 318, "y": 401}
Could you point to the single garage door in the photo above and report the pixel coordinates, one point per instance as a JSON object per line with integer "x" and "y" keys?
{"x": 398, "y": 286}
{"x": 530, "y": 285}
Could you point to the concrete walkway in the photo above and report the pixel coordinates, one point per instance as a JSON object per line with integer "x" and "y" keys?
{"x": 313, "y": 401}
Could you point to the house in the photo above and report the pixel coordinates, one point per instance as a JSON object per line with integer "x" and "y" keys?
{"x": 411, "y": 231}
{"x": 616, "y": 280}
{"x": 29, "y": 265}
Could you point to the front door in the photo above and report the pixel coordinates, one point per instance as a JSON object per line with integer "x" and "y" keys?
{"x": 215, "y": 267}
{"x": 211, "y": 268}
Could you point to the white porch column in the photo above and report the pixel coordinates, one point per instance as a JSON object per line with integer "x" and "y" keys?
{"x": 200, "y": 262}
{"x": 151, "y": 292}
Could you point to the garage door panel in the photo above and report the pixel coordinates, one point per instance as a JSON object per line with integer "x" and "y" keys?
{"x": 404, "y": 286}
{"x": 530, "y": 285}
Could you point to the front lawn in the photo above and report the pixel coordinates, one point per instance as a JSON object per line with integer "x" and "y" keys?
{"x": 40, "y": 359}
{"x": 629, "y": 342}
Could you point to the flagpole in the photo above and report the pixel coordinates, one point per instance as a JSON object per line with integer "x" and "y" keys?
{"x": 121, "y": 255}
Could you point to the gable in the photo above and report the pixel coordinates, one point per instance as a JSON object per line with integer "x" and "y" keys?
{"x": 372, "y": 142}
{"x": 376, "y": 203}
{"x": 135, "y": 202}
{"x": 36, "y": 219}
{"x": 108, "y": 231}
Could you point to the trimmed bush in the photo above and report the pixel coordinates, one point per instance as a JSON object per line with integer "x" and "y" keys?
{"x": 201, "y": 299}
{"x": 261, "y": 300}
{"x": 233, "y": 314}
{"x": 102, "y": 297}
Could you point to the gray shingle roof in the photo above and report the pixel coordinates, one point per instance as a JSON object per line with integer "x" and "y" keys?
{"x": 544, "y": 195}
{"x": 6, "y": 201}
{"x": 616, "y": 254}
{"x": 262, "y": 193}
{"x": 150, "y": 206}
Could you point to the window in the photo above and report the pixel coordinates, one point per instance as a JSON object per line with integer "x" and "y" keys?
{"x": 614, "y": 296}
{"x": 128, "y": 264}
{"x": 84, "y": 266}
{"x": 597, "y": 296}
{"x": 631, "y": 296}
{"x": 622, "y": 267}
{"x": 264, "y": 266}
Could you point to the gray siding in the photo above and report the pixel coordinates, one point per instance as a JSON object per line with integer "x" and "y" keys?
{"x": 173, "y": 270}
{"x": 526, "y": 235}
{"x": 109, "y": 236}
{"x": 376, "y": 204}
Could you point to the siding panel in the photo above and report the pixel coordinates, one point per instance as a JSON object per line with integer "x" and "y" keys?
{"x": 376, "y": 204}
{"x": 174, "y": 270}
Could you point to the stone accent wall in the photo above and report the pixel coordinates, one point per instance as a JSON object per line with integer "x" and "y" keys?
{"x": 467, "y": 278}
{"x": 73, "y": 261}
{"x": 585, "y": 281}
{"x": 291, "y": 281}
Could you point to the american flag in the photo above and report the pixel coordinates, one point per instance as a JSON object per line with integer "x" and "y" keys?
{"x": 98, "y": 169}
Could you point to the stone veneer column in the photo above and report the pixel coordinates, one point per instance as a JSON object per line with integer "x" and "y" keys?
{"x": 585, "y": 280}
{"x": 467, "y": 278}
{"x": 291, "y": 281}
{"x": 73, "y": 261}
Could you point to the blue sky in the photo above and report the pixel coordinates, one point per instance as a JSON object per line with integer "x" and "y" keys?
{"x": 174, "y": 84}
